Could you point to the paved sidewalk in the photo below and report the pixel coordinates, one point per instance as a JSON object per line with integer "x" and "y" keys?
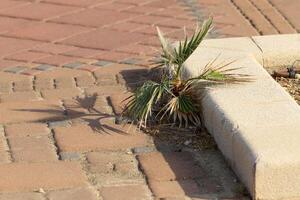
{"x": 64, "y": 67}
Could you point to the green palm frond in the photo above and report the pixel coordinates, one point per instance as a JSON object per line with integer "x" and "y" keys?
{"x": 175, "y": 56}
{"x": 140, "y": 104}
{"x": 182, "y": 109}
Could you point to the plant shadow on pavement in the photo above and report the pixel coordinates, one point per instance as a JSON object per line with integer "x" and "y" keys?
{"x": 81, "y": 111}
{"x": 192, "y": 148}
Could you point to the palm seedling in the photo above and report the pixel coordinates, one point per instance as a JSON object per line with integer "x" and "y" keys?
{"x": 172, "y": 99}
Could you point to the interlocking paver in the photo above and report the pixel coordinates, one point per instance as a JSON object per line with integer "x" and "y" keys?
{"x": 173, "y": 166}
{"x": 22, "y": 196}
{"x": 27, "y": 56}
{"x": 37, "y": 11}
{"x": 129, "y": 192}
{"x": 94, "y": 17}
{"x": 104, "y": 39}
{"x": 20, "y": 96}
{"x": 105, "y": 137}
{"x": 33, "y": 176}
{"x": 16, "y": 112}
{"x": 74, "y": 194}
{"x": 46, "y": 31}
{"x": 26, "y": 130}
{"x": 11, "y": 45}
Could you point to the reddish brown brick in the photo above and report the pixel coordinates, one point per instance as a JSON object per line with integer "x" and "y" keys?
{"x": 11, "y": 45}
{"x": 94, "y": 17}
{"x": 26, "y": 130}
{"x": 53, "y": 48}
{"x": 64, "y": 82}
{"x": 173, "y": 166}
{"x": 16, "y": 112}
{"x": 81, "y": 3}
{"x": 9, "y": 24}
{"x": 57, "y": 60}
{"x": 182, "y": 188}
{"x": 59, "y": 94}
{"x": 83, "y": 138}
{"x": 38, "y": 11}
{"x": 130, "y": 192}
{"x": 34, "y": 155}
{"x": 22, "y": 196}
{"x": 83, "y": 53}
{"x": 46, "y": 31}
{"x": 33, "y": 176}
{"x": 27, "y": 56}
{"x": 20, "y": 96}
{"x": 104, "y": 39}
{"x": 74, "y": 194}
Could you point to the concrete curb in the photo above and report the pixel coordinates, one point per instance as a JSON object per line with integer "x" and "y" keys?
{"x": 256, "y": 124}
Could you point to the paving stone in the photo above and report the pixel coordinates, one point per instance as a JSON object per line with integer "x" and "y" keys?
{"x": 174, "y": 188}
{"x": 83, "y": 138}
{"x": 33, "y": 176}
{"x": 70, "y": 156}
{"x": 102, "y": 63}
{"x": 13, "y": 45}
{"x": 129, "y": 192}
{"x": 44, "y": 67}
{"x": 23, "y": 85}
{"x": 74, "y": 194}
{"x": 20, "y": 96}
{"x": 43, "y": 83}
{"x": 94, "y": 18}
{"x": 38, "y": 11}
{"x": 25, "y": 143}
{"x": 111, "y": 168}
{"x": 26, "y": 130}
{"x": 79, "y": 3}
{"x": 40, "y": 111}
{"x": 30, "y": 72}
{"x": 56, "y": 60}
{"x": 85, "y": 81}
{"x": 141, "y": 150}
{"x": 47, "y": 32}
{"x": 64, "y": 82}
{"x": 16, "y": 70}
{"x": 27, "y": 56}
{"x": 34, "y": 155}
{"x": 103, "y": 39}
{"x": 130, "y": 61}
{"x": 83, "y": 53}
{"x": 22, "y": 196}
{"x": 53, "y": 48}
{"x": 112, "y": 56}
{"x": 173, "y": 166}
{"x": 60, "y": 94}
{"x": 62, "y": 123}
{"x": 105, "y": 90}
{"x": 5, "y": 87}
{"x": 73, "y": 65}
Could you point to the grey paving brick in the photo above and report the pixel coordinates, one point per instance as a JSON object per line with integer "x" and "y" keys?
{"x": 16, "y": 70}
{"x": 73, "y": 65}
{"x": 44, "y": 67}
{"x": 70, "y": 156}
{"x": 102, "y": 63}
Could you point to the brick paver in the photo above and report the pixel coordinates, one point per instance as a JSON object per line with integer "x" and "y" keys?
{"x": 65, "y": 66}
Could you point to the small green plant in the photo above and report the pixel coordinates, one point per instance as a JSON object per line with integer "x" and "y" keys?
{"x": 173, "y": 99}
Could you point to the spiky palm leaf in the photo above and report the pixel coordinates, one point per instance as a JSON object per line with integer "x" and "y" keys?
{"x": 173, "y": 57}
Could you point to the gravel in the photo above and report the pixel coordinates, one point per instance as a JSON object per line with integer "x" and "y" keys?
{"x": 291, "y": 85}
